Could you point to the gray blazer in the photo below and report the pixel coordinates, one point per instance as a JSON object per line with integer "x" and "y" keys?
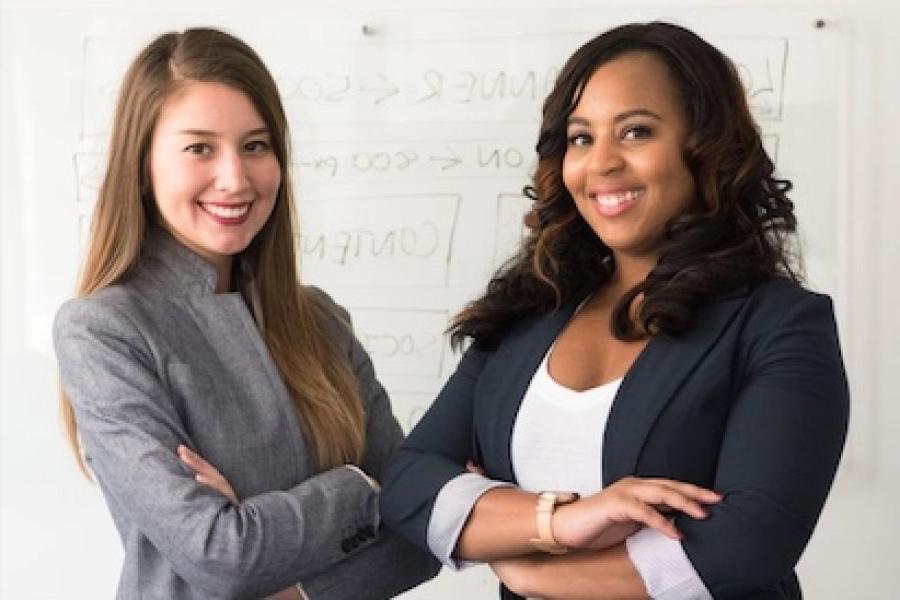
{"x": 161, "y": 360}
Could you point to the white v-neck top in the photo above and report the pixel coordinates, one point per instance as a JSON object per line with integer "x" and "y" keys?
{"x": 557, "y": 444}
{"x": 557, "y": 439}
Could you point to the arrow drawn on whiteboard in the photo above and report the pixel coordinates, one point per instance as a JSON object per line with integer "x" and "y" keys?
{"x": 449, "y": 161}
{"x": 390, "y": 89}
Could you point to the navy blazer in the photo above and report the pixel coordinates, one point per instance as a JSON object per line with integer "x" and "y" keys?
{"x": 751, "y": 401}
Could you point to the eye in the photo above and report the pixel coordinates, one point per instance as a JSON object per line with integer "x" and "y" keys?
{"x": 200, "y": 148}
{"x": 257, "y": 146}
{"x": 580, "y": 139}
{"x": 637, "y": 132}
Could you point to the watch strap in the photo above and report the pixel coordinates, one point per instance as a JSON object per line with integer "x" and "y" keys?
{"x": 546, "y": 505}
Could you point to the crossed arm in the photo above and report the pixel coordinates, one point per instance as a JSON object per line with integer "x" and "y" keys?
{"x": 792, "y": 390}
{"x": 502, "y": 523}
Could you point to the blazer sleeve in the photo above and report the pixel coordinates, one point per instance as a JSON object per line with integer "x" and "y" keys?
{"x": 130, "y": 429}
{"x": 391, "y": 565}
{"x": 434, "y": 453}
{"x": 779, "y": 453}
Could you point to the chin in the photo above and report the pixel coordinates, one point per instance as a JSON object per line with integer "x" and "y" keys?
{"x": 230, "y": 247}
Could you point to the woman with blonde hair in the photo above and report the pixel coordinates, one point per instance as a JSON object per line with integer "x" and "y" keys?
{"x": 191, "y": 341}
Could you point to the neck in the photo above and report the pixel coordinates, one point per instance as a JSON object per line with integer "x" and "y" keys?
{"x": 631, "y": 271}
{"x": 223, "y": 266}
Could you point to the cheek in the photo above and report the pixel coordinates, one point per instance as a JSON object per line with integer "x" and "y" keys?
{"x": 675, "y": 179}
{"x": 172, "y": 181}
{"x": 682, "y": 183}
{"x": 571, "y": 174}
{"x": 268, "y": 179}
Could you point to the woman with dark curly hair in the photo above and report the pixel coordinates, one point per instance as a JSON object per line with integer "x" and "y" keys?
{"x": 649, "y": 344}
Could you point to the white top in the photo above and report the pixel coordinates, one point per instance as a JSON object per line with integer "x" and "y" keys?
{"x": 557, "y": 444}
{"x": 557, "y": 439}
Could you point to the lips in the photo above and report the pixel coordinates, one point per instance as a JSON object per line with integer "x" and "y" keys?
{"x": 227, "y": 214}
{"x": 615, "y": 202}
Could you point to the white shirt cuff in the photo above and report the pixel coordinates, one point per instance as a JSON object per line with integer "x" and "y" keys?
{"x": 451, "y": 510}
{"x": 665, "y": 567}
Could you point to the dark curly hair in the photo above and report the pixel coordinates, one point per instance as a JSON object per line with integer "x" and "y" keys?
{"x": 740, "y": 233}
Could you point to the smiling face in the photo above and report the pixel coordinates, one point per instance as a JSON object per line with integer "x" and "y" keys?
{"x": 214, "y": 174}
{"x": 623, "y": 164}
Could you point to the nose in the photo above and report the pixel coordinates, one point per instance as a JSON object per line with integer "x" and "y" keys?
{"x": 231, "y": 173}
{"x": 605, "y": 156}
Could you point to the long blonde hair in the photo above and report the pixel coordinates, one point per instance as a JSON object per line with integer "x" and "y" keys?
{"x": 317, "y": 374}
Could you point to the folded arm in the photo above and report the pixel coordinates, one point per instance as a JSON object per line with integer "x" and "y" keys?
{"x": 779, "y": 453}
{"x": 130, "y": 430}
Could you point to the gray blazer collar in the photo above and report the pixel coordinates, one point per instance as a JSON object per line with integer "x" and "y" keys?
{"x": 183, "y": 272}
{"x": 179, "y": 268}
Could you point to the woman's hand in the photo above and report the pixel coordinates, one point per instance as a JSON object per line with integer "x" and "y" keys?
{"x": 206, "y": 474}
{"x": 614, "y": 513}
{"x": 291, "y": 593}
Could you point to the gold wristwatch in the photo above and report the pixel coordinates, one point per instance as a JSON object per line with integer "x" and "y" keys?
{"x": 546, "y": 504}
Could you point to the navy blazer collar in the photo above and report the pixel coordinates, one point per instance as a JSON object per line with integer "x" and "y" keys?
{"x": 655, "y": 378}
{"x": 648, "y": 386}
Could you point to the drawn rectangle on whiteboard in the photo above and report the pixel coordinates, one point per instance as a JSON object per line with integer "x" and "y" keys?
{"x": 436, "y": 81}
{"x": 390, "y": 241}
{"x": 760, "y": 62}
{"x": 511, "y": 230}
{"x": 418, "y": 80}
{"x": 770, "y": 143}
{"x": 406, "y": 342}
{"x": 422, "y": 159}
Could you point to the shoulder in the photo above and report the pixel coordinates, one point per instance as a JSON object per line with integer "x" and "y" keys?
{"x": 105, "y": 323}
{"x": 782, "y": 288}
{"x": 325, "y": 303}
{"x": 334, "y": 317}
{"x": 111, "y": 309}
{"x": 781, "y": 318}
{"x": 776, "y": 301}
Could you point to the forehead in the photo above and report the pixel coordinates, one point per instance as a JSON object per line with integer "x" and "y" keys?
{"x": 629, "y": 81}
{"x": 209, "y": 106}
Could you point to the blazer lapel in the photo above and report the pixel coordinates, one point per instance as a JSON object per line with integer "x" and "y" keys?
{"x": 504, "y": 383}
{"x": 654, "y": 379}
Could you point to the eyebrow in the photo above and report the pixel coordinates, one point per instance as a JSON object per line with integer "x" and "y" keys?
{"x": 638, "y": 112}
{"x": 208, "y": 133}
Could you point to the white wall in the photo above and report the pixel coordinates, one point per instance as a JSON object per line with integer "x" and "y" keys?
{"x": 841, "y": 93}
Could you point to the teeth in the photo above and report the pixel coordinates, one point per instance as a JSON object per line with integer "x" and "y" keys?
{"x": 227, "y": 212}
{"x": 613, "y": 200}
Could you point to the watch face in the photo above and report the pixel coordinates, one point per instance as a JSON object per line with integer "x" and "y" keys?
{"x": 561, "y": 497}
{"x": 566, "y": 497}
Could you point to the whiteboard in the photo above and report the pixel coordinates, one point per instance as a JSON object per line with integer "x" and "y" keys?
{"x": 413, "y": 134}
{"x": 413, "y": 142}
